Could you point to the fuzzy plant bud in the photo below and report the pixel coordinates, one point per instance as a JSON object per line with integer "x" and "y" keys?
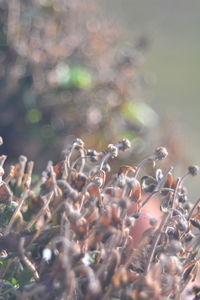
{"x": 93, "y": 155}
{"x": 124, "y": 144}
{"x": 78, "y": 143}
{"x": 153, "y": 221}
{"x": 113, "y": 150}
{"x": 130, "y": 222}
{"x": 193, "y": 170}
{"x": 161, "y": 153}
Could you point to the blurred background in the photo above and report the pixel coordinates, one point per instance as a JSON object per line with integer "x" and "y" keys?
{"x": 100, "y": 70}
{"x": 173, "y": 60}
{"x": 172, "y": 63}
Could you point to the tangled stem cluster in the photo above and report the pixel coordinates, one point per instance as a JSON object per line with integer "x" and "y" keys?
{"x": 68, "y": 234}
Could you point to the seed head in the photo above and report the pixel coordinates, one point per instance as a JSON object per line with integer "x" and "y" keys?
{"x": 122, "y": 203}
{"x": 129, "y": 222}
{"x": 113, "y": 150}
{"x": 78, "y": 143}
{"x": 124, "y": 144}
{"x": 161, "y": 153}
{"x": 92, "y": 154}
{"x": 193, "y": 170}
{"x": 153, "y": 221}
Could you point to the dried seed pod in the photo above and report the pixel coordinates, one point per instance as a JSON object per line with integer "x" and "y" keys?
{"x": 136, "y": 215}
{"x": 195, "y": 223}
{"x": 124, "y": 144}
{"x": 122, "y": 203}
{"x": 182, "y": 198}
{"x": 161, "y": 153}
{"x": 193, "y": 170}
{"x": 188, "y": 237}
{"x": 187, "y": 206}
{"x": 113, "y": 150}
{"x": 74, "y": 216}
{"x": 130, "y": 221}
{"x": 78, "y": 143}
{"x": 93, "y": 155}
{"x": 173, "y": 233}
{"x": 153, "y": 221}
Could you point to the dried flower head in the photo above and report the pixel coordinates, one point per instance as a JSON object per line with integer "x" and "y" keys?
{"x": 193, "y": 170}
{"x": 161, "y": 153}
{"x": 113, "y": 150}
{"x": 78, "y": 143}
{"x": 124, "y": 144}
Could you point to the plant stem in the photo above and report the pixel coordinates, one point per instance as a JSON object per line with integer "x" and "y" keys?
{"x": 156, "y": 240}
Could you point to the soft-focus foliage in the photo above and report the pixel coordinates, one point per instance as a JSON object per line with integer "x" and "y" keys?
{"x": 66, "y": 72}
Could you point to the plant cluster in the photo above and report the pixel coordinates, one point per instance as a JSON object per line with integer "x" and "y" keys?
{"x": 68, "y": 234}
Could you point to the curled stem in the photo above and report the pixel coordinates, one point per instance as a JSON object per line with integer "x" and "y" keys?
{"x": 137, "y": 169}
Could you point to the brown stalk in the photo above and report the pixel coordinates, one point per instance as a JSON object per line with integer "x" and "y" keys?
{"x": 26, "y": 260}
{"x": 41, "y": 211}
{"x": 156, "y": 240}
{"x": 16, "y": 212}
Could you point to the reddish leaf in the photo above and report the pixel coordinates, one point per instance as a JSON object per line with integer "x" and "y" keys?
{"x": 168, "y": 183}
{"x": 125, "y": 169}
{"x": 136, "y": 190}
{"x": 59, "y": 169}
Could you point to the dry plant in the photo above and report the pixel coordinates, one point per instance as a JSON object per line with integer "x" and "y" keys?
{"x": 67, "y": 234}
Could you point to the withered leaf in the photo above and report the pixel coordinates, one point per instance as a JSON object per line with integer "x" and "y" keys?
{"x": 125, "y": 169}
{"x": 168, "y": 183}
{"x": 136, "y": 190}
{"x": 59, "y": 169}
{"x": 94, "y": 190}
{"x": 79, "y": 181}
